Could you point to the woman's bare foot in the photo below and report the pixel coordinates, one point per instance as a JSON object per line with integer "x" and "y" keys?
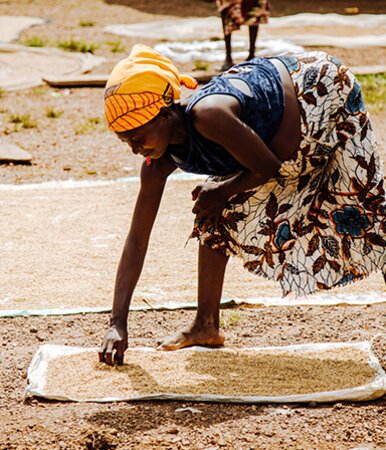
{"x": 204, "y": 336}
{"x": 226, "y": 66}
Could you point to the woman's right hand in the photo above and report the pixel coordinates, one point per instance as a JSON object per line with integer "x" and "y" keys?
{"x": 115, "y": 339}
{"x": 210, "y": 202}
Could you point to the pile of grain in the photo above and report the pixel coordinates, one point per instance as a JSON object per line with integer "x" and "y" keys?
{"x": 229, "y": 372}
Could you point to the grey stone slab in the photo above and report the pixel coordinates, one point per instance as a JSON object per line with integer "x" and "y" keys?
{"x": 13, "y": 153}
{"x": 24, "y": 67}
{"x": 12, "y": 26}
{"x": 99, "y": 80}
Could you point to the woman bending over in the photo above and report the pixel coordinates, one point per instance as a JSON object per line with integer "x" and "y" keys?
{"x": 295, "y": 183}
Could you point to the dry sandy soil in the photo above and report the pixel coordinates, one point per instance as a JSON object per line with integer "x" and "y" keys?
{"x": 68, "y": 147}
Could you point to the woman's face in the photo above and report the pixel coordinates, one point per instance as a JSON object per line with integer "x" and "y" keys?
{"x": 150, "y": 140}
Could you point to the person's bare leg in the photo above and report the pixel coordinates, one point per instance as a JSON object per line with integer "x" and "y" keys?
{"x": 228, "y": 62}
{"x": 205, "y": 329}
{"x": 253, "y": 31}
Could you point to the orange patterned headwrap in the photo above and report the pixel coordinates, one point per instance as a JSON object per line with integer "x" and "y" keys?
{"x": 139, "y": 86}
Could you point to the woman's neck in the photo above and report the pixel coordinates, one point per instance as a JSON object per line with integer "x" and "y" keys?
{"x": 180, "y": 136}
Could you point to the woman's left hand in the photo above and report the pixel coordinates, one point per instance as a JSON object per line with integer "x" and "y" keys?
{"x": 209, "y": 203}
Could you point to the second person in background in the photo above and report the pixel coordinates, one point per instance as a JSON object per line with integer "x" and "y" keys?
{"x": 235, "y": 13}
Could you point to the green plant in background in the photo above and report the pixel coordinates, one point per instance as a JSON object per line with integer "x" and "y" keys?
{"x": 229, "y": 318}
{"x": 51, "y": 113}
{"x": 2, "y": 92}
{"x": 200, "y": 65}
{"x": 116, "y": 46}
{"x": 86, "y": 23}
{"x": 77, "y": 46}
{"x": 24, "y": 120}
{"x": 38, "y": 90}
{"x": 35, "y": 41}
{"x": 89, "y": 125}
{"x": 374, "y": 91}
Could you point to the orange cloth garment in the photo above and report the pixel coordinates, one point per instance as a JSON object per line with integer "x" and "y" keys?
{"x": 139, "y": 86}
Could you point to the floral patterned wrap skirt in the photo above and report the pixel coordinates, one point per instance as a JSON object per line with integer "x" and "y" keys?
{"x": 243, "y": 12}
{"x": 321, "y": 222}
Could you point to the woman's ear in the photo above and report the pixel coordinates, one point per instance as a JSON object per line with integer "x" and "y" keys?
{"x": 165, "y": 112}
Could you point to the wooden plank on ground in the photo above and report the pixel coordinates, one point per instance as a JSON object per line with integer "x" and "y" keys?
{"x": 99, "y": 80}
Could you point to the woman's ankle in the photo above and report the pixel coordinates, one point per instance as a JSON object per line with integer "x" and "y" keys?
{"x": 206, "y": 323}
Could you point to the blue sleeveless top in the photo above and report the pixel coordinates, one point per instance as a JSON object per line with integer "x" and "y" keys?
{"x": 261, "y": 109}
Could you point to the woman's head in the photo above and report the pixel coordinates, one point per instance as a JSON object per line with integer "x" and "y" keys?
{"x": 152, "y": 139}
{"x": 139, "y": 87}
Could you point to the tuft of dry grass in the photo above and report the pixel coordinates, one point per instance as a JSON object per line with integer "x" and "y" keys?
{"x": 86, "y": 23}
{"x": 73, "y": 45}
{"x": 52, "y": 113}
{"x": 24, "y": 120}
{"x": 89, "y": 125}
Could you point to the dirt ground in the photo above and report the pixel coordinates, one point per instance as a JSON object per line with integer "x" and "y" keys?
{"x": 156, "y": 425}
{"x": 76, "y": 146}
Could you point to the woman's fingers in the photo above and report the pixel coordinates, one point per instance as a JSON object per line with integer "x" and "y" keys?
{"x": 112, "y": 341}
{"x": 208, "y": 221}
{"x": 216, "y": 222}
{"x": 119, "y": 352}
{"x": 118, "y": 358}
{"x": 105, "y": 352}
{"x": 195, "y": 209}
{"x": 200, "y": 214}
{"x": 102, "y": 350}
{"x": 196, "y": 191}
{"x": 207, "y": 210}
{"x": 109, "y": 352}
{"x": 106, "y": 356}
{"x": 204, "y": 221}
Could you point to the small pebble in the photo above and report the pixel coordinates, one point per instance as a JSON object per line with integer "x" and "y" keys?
{"x": 337, "y": 406}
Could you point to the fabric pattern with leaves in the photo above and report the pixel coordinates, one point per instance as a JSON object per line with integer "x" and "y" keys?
{"x": 321, "y": 222}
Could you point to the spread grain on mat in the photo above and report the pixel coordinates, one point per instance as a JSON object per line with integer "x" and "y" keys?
{"x": 229, "y": 372}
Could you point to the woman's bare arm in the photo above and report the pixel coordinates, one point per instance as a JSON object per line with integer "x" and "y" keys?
{"x": 153, "y": 179}
{"x": 217, "y": 118}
